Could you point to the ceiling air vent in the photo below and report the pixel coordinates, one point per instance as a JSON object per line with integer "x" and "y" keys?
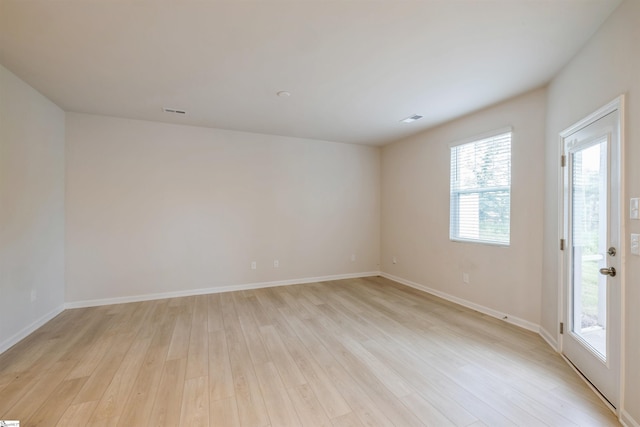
{"x": 412, "y": 118}
{"x": 174, "y": 111}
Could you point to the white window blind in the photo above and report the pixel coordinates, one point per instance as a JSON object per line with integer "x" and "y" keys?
{"x": 481, "y": 190}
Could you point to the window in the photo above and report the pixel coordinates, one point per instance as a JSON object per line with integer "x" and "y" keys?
{"x": 481, "y": 190}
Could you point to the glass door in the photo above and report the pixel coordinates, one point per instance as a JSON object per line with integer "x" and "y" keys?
{"x": 588, "y": 176}
{"x": 592, "y": 257}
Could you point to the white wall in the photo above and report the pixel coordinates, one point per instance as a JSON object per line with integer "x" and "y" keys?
{"x": 608, "y": 66}
{"x": 415, "y": 213}
{"x": 31, "y": 209}
{"x": 156, "y": 208}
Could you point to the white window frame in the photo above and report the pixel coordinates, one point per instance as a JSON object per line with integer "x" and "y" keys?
{"x": 453, "y": 219}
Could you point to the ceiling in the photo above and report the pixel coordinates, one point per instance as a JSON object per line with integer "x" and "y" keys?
{"x": 354, "y": 68}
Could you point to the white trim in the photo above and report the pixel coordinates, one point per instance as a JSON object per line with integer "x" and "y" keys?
{"x": 218, "y": 289}
{"x": 24, "y": 332}
{"x": 596, "y": 115}
{"x": 623, "y": 253}
{"x": 525, "y": 324}
{"x": 627, "y": 420}
{"x": 480, "y": 242}
{"x": 546, "y": 335}
{"x": 483, "y": 135}
{"x": 561, "y": 178}
{"x": 617, "y": 104}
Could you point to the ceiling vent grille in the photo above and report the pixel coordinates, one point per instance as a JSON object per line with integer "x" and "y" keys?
{"x": 412, "y": 118}
{"x": 174, "y": 111}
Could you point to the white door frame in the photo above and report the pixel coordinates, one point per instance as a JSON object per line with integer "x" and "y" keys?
{"x": 618, "y": 181}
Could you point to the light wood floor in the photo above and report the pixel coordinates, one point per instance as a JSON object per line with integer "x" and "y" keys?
{"x": 344, "y": 353}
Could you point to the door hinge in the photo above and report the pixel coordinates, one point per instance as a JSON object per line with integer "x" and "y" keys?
{"x": 561, "y": 328}
{"x": 562, "y": 244}
{"x": 563, "y": 161}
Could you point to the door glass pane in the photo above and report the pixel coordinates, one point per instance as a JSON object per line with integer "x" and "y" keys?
{"x": 589, "y": 239}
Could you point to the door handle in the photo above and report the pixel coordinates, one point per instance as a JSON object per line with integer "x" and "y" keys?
{"x": 608, "y": 271}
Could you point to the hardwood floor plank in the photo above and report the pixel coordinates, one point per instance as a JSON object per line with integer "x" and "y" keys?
{"x": 262, "y": 313}
{"x": 92, "y": 358}
{"x": 140, "y": 403}
{"x": 156, "y": 316}
{"x": 102, "y": 375}
{"x": 516, "y": 399}
{"x": 324, "y": 388}
{"x": 356, "y": 398}
{"x": 33, "y": 348}
{"x": 313, "y": 294}
{"x": 502, "y": 403}
{"x": 127, "y": 319}
{"x": 195, "y": 403}
{"x": 53, "y": 408}
{"x": 281, "y": 358}
{"x": 77, "y": 414}
{"x": 52, "y": 353}
{"x": 425, "y": 411}
{"x": 38, "y": 394}
{"x": 179, "y": 348}
{"x": 168, "y": 402}
{"x": 115, "y": 397}
{"x": 251, "y": 407}
{"x": 214, "y": 313}
{"x": 103, "y": 422}
{"x": 350, "y": 335}
{"x": 587, "y": 411}
{"x": 364, "y": 379}
{"x": 198, "y": 352}
{"x": 220, "y": 375}
{"x": 492, "y": 415}
{"x": 426, "y": 368}
{"x": 251, "y": 332}
{"x": 308, "y": 407}
{"x": 19, "y": 386}
{"x": 278, "y": 403}
{"x": 354, "y": 352}
{"x": 291, "y": 296}
{"x": 224, "y": 412}
{"x": 347, "y": 420}
{"x": 6, "y": 378}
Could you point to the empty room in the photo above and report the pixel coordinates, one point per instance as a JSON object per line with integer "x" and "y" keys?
{"x": 320, "y": 213}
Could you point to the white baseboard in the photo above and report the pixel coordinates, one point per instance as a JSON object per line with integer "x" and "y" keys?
{"x": 553, "y": 343}
{"x": 22, "y": 334}
{"x": 220, "y": 289}
{"x": 627, "y": 420}
{"x": 477, "y": 307}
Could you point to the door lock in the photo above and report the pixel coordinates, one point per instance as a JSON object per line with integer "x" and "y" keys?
{"x": 612, "y": 251}
{"x": 608, "y": 271}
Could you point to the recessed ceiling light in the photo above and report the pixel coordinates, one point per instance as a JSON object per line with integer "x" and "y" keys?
{"x": 412, "y": 118}
{"x": 283, "y": 94}
{"x": 174, "y": 111}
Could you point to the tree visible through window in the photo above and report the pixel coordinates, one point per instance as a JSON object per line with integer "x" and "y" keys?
{"x": 481, "y": 190}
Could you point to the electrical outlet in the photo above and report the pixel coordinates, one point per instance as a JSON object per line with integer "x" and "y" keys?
{"x": 353, "y": 257}
{"x": 34, "y": 295}
{"x": 465, "y": 278}
{"x": 394, "y": 260}
{"x": 254, "y": 265}
{"x": 276, "y": 263}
